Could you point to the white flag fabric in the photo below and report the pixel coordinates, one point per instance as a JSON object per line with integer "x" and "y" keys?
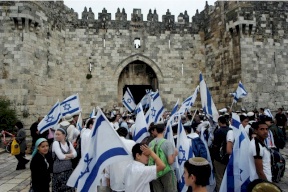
{"x": 240, "y": 92}
{"x": 128, "y": 100}
{"x": 141, "y": 129}
{"x": 101, "y": 153}
{"x": 51, "y": 119}
{"x": 188, "y": 103}
{"x": 79, "y": 124}
{"x": 206, "y": 100}
{"x": 237, "y": 176}
{"x": 146, "y": 100}
{"x": 184, "y": 151}
{"x": 156, "y": 109}
{"x": 174, "y": 110}
{"x": 71, "y": 105}
{"x": 268, "y": 113}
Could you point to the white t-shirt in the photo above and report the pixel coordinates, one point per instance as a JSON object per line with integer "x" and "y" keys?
{"x": 230, "y": 136}
{"x": 116, "y": 171}
{"x": 56, "y": 148}
{"x": 264, "y": 154}
{"x": 72, "y": 133}
{"x": 138, "y": 176}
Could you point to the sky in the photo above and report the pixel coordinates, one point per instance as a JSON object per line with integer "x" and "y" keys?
{"x": 175, "y": 6}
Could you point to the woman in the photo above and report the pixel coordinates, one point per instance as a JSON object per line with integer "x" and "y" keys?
{"x": 196, "y": 173}
{"x": 21, "y": 139}
{"x": 39, "y": 166}
{"x": 62, "y": 151}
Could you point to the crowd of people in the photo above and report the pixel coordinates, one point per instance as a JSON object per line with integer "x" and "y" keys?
{"x": 57, "y": 152}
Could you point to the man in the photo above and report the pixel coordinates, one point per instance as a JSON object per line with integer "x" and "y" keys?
{"x": 166, "y": 180}
{"x": 34, "y": 132}
{"x": 281, "y": 121}
{"x": 85, "y": 137}
{"x": 114, "y": 173}
{"x": 222, "y": 147}
{"x": 261, "y": 114}
{"x": 137, "y": 175}
{"x": 259, "y": 155}
{"x": 278, "y": 139}
{"x": 72, "y": 131}
{"x": 245, "y": 123}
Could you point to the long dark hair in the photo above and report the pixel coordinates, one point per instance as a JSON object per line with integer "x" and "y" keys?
{"x": 19, "y": 125}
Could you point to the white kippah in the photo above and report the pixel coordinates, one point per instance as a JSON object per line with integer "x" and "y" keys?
{"x": 198, "y": 161}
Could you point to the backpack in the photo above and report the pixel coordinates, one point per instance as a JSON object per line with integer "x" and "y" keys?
{"x": 160, "y": 153}
{"x": 280, "y": 139}
{"x": 224, "y": 157}
{"x": 76, "y": 160}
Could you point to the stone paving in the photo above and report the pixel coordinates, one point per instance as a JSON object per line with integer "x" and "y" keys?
{"x": 19, "y": 181}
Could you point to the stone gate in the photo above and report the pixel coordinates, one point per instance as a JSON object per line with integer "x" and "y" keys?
{"x": 47, "y": 53}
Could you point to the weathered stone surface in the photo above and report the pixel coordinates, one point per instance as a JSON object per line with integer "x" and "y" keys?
{"x": 45, "y": 52}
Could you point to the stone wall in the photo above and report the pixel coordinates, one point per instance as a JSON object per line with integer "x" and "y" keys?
{"x": 46, "y": 51}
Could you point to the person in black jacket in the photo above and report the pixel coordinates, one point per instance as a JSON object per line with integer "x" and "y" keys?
{"x": 40, "y": 172}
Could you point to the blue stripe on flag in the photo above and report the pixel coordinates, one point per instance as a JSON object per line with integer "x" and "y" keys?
{"x": 241, "y": 138}
{"x": 130, "y": 94}
{"x": 242, "y": 87}
{"x": 245, "y": 184}
{"x": 51, "y": 124}
{"x": 100, "y": 119}
{"x": 236, "y": 123}
{"x": 155, "y": 96}
{"x": 104, "y": 157}
{"x": 201, "y": 77}
{"x": 159, "y": 113}
{"x": 73, "y": 98}
{"x": 71, "y": 111}
{"x": 139, "y": 134}
{"x": 230, "y": 174}
{"x": 127, "y": 105}
{"x": 147, "y": 119}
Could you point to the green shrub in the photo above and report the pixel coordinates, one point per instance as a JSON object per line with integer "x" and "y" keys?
{"x": 8, "y": 116}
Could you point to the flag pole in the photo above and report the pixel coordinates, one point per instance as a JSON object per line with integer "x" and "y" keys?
{"x": 194, "y": 115}
{"x": 232, "y": 105}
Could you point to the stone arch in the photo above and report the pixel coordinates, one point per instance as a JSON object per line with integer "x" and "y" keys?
{"x": 141, "y": 82}
{"x": 139, "y": 57}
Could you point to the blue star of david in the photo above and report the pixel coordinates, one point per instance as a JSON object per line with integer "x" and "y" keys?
{"x": 240, "y": 174}
{"x": 49, "y": 118}
{"x": 67, "y": 106}
{"x": 87, "y": 160}
{"x": 129, "y": 100}
{"x": 153, "y": 112}
{"x": 181, "y": 151}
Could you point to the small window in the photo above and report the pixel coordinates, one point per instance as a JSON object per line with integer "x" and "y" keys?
{"x": 137, "y": 44}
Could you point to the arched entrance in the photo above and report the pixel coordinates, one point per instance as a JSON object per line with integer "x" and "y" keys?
{"x": 139, "y": 77}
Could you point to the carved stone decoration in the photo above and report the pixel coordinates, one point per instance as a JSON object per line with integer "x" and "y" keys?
{"x": 85, "y": 14}
{"x": 104, "y": 19}
{"x": 168, "y": 21}
{"x": 90, "y": 15}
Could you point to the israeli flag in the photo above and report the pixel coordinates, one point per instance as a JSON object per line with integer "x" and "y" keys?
{"x": 237, "y": 176}
{"x": 79, "y": 124}
{"x": 128, "y": 100}
{"x": 146, "y": 100}
{"x": 212, "y": 182}
{"x": 156, "y": 109}
{"x": 188, "y": 103}
{"x": 141, "y": 129}
{"x": 184, "y": 151}
{"x": 268, "y": 113}
{"x": 174, "y": 110}
{"x": 71, "y": 105}
{"x": 101, "y": 153}
{"x": 206, "y": 100}
{"x": 240, "y": 92}
{"x": 92, "y": 114}
{"x": 51, "y": 119}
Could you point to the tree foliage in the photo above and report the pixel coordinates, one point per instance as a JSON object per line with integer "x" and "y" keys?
{"x": 8, "y": 115}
